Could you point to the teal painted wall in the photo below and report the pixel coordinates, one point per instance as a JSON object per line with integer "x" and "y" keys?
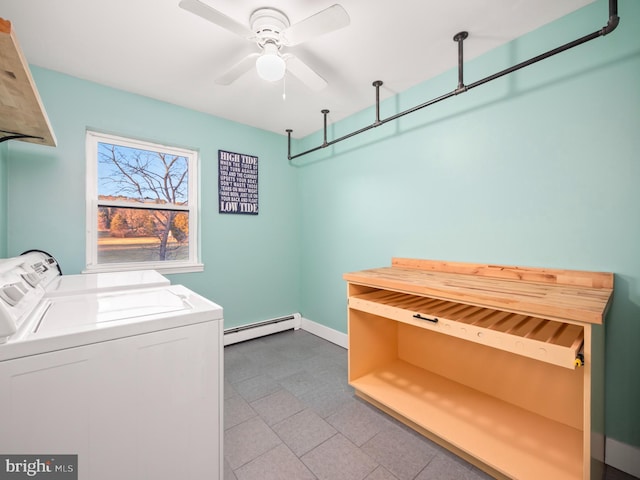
{"x": 540, "y": 168}
{"x": 251, "y": 262}
{"x": 3, "y": 199}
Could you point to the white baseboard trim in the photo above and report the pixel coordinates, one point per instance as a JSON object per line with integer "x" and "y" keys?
{"x": 260, "y": 329}
{"x": 322, "y": 331}
{"x": 623, "y": 457}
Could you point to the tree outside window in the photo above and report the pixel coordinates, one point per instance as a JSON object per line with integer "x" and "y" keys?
{"x": 144, "y": 207}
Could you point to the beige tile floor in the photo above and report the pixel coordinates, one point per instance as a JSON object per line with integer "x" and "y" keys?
{"x": 290, "y": 415}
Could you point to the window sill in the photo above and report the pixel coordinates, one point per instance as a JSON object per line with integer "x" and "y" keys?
{"x": 159, "y": 267}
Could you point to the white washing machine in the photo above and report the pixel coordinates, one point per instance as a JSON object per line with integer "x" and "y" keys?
{"x": 129, "y": 380}
{"x": 46, "y": 270}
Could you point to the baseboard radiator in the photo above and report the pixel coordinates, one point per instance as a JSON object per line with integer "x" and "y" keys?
{"x": 260, "y": 329}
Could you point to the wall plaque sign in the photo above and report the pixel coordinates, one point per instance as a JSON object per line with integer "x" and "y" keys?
{"x": 237, "y": 183}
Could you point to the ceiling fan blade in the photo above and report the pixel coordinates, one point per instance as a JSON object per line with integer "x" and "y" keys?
{"x": 327, "y": 20}
{"x": 304, "y": 73}
{"x": 239, "y": 69}
{"x": 208, "y": 13}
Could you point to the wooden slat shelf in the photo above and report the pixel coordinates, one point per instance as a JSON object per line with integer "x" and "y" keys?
{"x": 545, "y": 340}
{"x": 482, "y": 360}
{"x": 21, "y": 110}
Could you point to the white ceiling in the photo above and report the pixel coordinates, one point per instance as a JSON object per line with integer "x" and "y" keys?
{"x": 156, "y": 49}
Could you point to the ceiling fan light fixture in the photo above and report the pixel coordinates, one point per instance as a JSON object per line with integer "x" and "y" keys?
{"x": 270, "y": 65}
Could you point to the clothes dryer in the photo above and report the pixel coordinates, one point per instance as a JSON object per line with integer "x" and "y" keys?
{"x": 129, "y": 380}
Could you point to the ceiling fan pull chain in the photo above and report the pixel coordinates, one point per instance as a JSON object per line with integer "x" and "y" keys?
{"x": 284, "y": 87}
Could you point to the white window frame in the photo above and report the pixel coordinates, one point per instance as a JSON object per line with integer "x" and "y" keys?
{"x": 193, "y": 263}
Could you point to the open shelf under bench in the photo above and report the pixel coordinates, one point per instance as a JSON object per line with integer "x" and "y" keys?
{"x": 482, "y": 359}
{"x": 510, "y": 440}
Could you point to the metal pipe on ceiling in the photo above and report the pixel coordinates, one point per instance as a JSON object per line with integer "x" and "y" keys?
{"x": 611, "y": 25}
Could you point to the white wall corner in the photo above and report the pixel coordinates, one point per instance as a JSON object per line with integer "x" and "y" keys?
{"x": 322, "y": 331}
{"x": 622, "y": 456}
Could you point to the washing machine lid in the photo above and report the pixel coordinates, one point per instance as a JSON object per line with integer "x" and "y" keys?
{"x": 78, "y": 320}
{"x": 104, "y": 282}
{"x": 78, "y": 312}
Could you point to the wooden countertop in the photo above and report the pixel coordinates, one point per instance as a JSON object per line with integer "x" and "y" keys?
{"x": 548, "y": 293}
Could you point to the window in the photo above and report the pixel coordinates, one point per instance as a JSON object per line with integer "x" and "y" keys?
{"x": 142, "y": 201}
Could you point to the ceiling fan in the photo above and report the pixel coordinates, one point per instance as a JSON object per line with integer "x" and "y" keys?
{"x": 271, "y": 30}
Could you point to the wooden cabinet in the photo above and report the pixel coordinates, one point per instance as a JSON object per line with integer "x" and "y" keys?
{"x": 502, "y": 365}
{"x": 22, "y": 115}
